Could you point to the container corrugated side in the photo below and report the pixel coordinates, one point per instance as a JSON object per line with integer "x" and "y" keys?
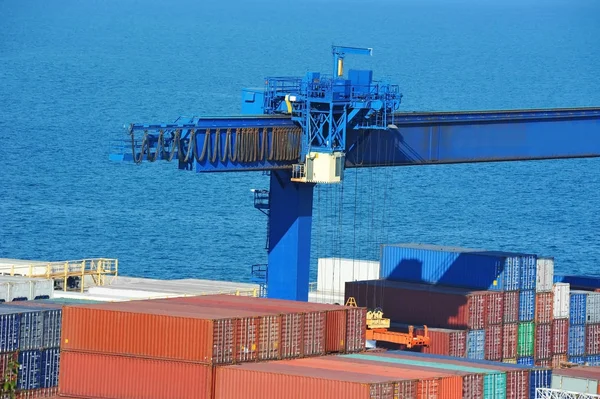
{"x": 495, "y": 308}
{"x": 580, "y": 360}
{"x": 31, "y": 328}
{"x": 592, "y": 308}
{"x": 539, "y": 378}
{"x": 476, "y": 344}
{"x": 440, "y": 307}
{"x": 593, "y": 360}
{"x": 509, "y": 340}
{"x": 459, "y": 267}
{"x": 52, "y": 316}
{"x": 544, "y": 274}
{"x": 543, "y": 342}
{"x": 10, "y": 325}
{"x": 560, "y": 336}
{"x": 562, "y": 301}
{"x": 493, "y": 342}
{"x": 444, "y": 341}
{"x": 559, "y": 360}
{"x": 592, "y": 337}
{"x": 19, "y": 288}
{"x": 30, "y": 364}
{"x": 114, "y": 376}
{"x": 576, "y": 340}
{"x": 544, "y": 302}
{"x": 525, "y": 340}
{"x": 578, "y": 312}
{"x": 511, "y": 307}
{"x": 526, "y": 361}
{"x": 50, "y": 364}
{"x": 528, "y": 269}
{"x": 527, "y": 305}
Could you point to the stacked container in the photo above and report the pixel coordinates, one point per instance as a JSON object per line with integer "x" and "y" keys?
{"x": 584, "y": 331}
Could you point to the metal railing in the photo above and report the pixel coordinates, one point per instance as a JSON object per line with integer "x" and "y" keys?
{"x": 549, "y": 393}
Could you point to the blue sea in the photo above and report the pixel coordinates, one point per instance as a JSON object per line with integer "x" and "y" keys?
{"x": 73, "y": 73}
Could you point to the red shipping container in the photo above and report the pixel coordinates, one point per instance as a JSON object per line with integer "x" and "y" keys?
{"x": 543, "y": 342}
{"x": 40, "y": 393}
{"x": 592, "y": 338}
{"x": 560, "y": 336}
{"x": 169, "y": 331}
{"x": 559, "y": 360}
{"x": 495, "y": 310}
{"x": 493, "y": 342}
{"x": 430, "y": 305}
{"x": 509, "y": 340}
{"x": 96, "y": 375}
{"x": 444, "y": 341}
{"x": 543, "y": 363}
{"x": 544, "y": 307}
{"x": 511, "y": 307}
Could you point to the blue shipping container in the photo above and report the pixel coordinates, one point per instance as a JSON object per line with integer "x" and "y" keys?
{"x": 593, "y": 360}
{"x": 579, "y": 282}
{"x": 49, "y": 367}
{"x": 577, "y": 360}
{"x": 476, "y": 344}
{"x": 528, "y": 277}
{"x": 31, "y": 326}
{"x": 539, "y": 378}
{"x": 576, "y": 340}
{"x": 458, "y": 267}
{"x": 52, "y": 327}
{"x": 9, "y": 332}
{"x": 577, "y": 310}
{"x": 526, "y": 361}
{"x": 527, "y": 305}
{"x": 30, "y": 363}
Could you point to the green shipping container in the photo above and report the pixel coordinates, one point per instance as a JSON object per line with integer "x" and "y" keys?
{"x": 494, "y": 381}
{"x": 525, "y": 340}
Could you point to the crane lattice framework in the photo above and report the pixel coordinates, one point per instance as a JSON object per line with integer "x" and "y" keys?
{"x": 548, "y": 393}
{"x": 304, "y": 131}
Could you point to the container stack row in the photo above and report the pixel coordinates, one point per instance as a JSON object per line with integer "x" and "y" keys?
{"x": 175, "y": 347}
{"x": 30, "y": 348}
{"x": 484, "y": 305}
{"x": 19, "y": 288}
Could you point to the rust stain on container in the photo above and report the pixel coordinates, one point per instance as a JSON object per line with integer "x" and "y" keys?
{"x": 511, "y": 307}
{"x": 544, "y": 307}
{"x": 509, "y": 340}
{"x": 95, "y": 375}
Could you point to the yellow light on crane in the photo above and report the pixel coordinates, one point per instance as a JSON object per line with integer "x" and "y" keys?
{"x": 340, "y": 67}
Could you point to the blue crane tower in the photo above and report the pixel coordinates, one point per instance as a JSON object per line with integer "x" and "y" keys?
{"x": 304, "y": 131}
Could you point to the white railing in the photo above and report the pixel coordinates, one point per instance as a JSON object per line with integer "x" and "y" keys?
{"x": 549, "y": 393}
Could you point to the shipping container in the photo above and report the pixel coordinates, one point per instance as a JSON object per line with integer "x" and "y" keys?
{"x": 577, "y": 311}
{"x": 544, "y": 302}
{"x": 577, "y": 380}
{"x": 433, "y": 306}
{"x": 539, "y": 378}
{"x": 444, "y": 341}
{"x": 525, "y": 344}
{"x": 458, "y": 267}
{"x": 543, "y": 363}
{"x": 593, "y": 360}
{"x": 52, "y": 320}
{"x": 512, "y": 360}
{"x": 588, "y": 283}
{"x": 580, "y": 360}
{"x": 577, "y": 342}
{"x": 340, "y": 338}
{"x": 543, "y": 342}
{"x": 526, "y": 361}
{"x": 50, "y": 362}
{"x": 562, "y": 301}
{"x": 493, "y": 342}
{"x": 30, "y": 369}
{"x": 509, "y": 341}
{"x": 592, "y": 337}
{"x": 559, "y": 360}
{"x": 42, "y": 393}
{"x": 476, "y": 344}
{"x": 100, "y": 375}
{"x": 31, "y": 326}
{"x": 5, "y": 360}
{"x": 14, "y": 288}
{"x": 170, "y": 331}
{"x": 10, "y": 326}
{"x": 528, "y": 269}
{"x": 511, "y": 306}
{"x": 495, "y": 308}
{"x": 527, "y": 305}
{"x": 560, "y": 336}
{"x": 544, "y": 274}
{"x": 592, "y": 308}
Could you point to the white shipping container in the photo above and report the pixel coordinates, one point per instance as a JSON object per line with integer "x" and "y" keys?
{"x": 574, "y": 384}
{"x": 544, "y": 274}
{"x": 18, "y": 287}
{"x": 42, "y": 288}
{"x": 4, "y": 288}
{"x": 333, "y": 273}
{"x": 562, "y": 300}
{"x": 593, "y": 308}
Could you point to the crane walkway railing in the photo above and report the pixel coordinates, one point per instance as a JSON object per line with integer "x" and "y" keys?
{"x": 549, "y": 393}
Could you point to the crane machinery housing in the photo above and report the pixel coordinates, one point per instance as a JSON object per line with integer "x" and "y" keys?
{"x": 304, "y": 131}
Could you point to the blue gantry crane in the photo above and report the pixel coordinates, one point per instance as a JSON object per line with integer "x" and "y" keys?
{"x": 304, "y": 131}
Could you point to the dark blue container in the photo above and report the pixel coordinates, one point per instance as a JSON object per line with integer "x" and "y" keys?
{"x": 49, "y": 367}
{"x": 476, "y": 344}
{"x": 539, "y": 378}
{"x": 527, "y": 305}
{"x": 593, "y": 360}
{"x": 577, "y": 310}
{"x": 576, "y": 340}
{"x": 579, "y": 282}
{"x": 31, "y": 326}
{"x": 577, "y": 359}
{"x": 451, "y": 266}
{"x": 29, "y": 370}
{"x": 526, "y": 361}
{"x": 10, "y": 324}
{"x": 528, "y": 276}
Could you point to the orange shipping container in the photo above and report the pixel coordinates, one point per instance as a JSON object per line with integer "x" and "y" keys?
{"x": 145, "y": 328}
{"x": 94, "y": 375}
